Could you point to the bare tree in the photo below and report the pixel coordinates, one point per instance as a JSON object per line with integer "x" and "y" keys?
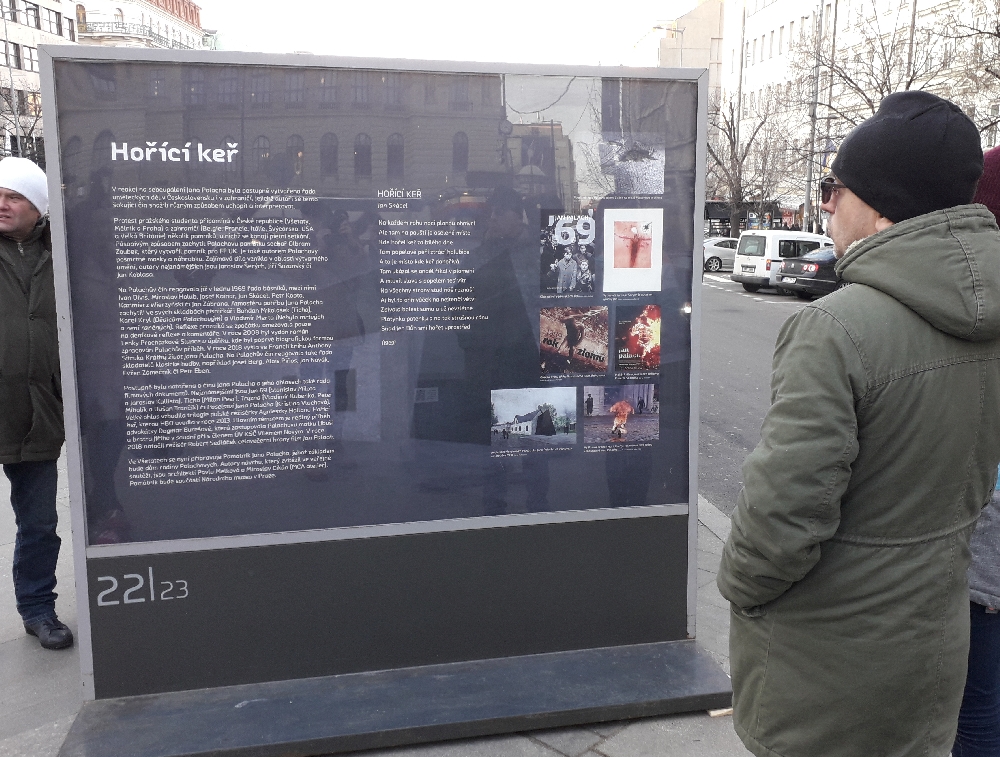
{"x": 750, "y": 157}
{"x": 21, "y": 116}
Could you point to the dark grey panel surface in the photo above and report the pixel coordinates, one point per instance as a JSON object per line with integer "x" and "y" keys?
{"x": 327, "y": 608}
{"x": 363, "y": 711}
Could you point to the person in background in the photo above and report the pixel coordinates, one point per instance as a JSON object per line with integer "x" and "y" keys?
{"x": 979, "y": 718}
{"x": 31, "y": 419}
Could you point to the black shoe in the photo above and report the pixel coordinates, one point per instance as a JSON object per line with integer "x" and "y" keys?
{"x": 51, "y": 632}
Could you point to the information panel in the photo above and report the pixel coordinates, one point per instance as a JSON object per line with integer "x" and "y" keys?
{"x": 332, "y": 299}
{"x": 310, "y": 297}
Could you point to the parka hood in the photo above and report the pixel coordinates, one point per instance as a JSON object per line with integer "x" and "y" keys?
{"x": 944, "y": 266}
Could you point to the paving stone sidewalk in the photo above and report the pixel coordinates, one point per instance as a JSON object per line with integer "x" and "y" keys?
{"x": 40, "y": 690}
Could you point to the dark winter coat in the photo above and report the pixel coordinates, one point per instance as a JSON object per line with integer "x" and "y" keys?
{"x": 846, "y": 565}
{"x": 31, "y": 420}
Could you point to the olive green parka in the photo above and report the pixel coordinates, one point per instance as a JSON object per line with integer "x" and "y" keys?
{"x": 31, "y": 419}
{"x": 846, "y": 564}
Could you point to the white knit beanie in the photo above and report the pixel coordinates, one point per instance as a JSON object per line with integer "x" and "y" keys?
{"x": 24, "y": 177}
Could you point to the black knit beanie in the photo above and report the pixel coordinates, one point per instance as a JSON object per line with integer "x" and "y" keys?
{"x": 917, "y": 154}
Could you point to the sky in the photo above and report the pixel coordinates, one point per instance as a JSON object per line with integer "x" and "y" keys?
{"x": 510, "y": 402}
{"x": 585, "y": 32}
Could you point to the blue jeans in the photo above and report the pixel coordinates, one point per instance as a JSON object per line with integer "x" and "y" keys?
{"x": 36, "y": 548}
{"x": 979, "y": 720}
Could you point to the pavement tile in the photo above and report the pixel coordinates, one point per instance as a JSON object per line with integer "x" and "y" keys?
{"x": 607, "y": 730}
{"x": 571, "y": 742}
{"x": 493, "y": 746}
{"x": 38, "y": 742}
{"x": 691, "y": 735}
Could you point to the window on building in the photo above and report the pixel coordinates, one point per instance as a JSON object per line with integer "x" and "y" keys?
{"x": 754, "y": 56}
{"x": 32, "y": 103}
{"x": 328, "y": 155}
{"x": 295, "y": 89}
{"x": 261, "y": 154}
{"x": 295, "y": 149}
{"x": 791, "y": 31}
{"x": 362, "y": 157}
{"x": 32, "y": 16}
{"x": 29, "y": 58}
{"x": 393, "y": 91}
{"x": 230, "y": 166}
{"x": 158, "y": 83}
{"x": 394, "y": 157}
{"x": 12, "y": 11}
{"x": 72, "y": 162}
{"x": 460, "y": 94}
{"x": 361, "y": 89}
{"x": 102, "y": 78}
{"x": 328, "y": 90}
{"x": 229, "y": 90}
{"x": 12, "y": 54}
{"x": 194, "y": 86}
{"x": 7, "y": 99}
{"x": 460, "y": 152}
{"x": 260, "y": 89}
{"x": 781, "y": 40}
{"x": 51, "y": 22}
{"x": 101, "y": 153}
{"x": 490, "y": 90}
{"x": 119, "y": 16}
{"x": 770, "y": 46}
{"x": 69, "y": 29}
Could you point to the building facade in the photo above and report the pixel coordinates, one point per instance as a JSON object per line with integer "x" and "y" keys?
{"x": 169, "y": 24}
{"x": 695, "y": 40}
{"x": 812, "y": 71}
{"x": 26, "y": 25}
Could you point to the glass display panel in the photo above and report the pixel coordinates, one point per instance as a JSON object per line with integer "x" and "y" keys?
{"x": 311, "y": 298}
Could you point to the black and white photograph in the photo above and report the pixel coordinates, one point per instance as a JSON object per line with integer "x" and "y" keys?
{"x": 528, "y": 419}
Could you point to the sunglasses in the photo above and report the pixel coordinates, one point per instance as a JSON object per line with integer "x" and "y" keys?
{"x": 827, "y": 187}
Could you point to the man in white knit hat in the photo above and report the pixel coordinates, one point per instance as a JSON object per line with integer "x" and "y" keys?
{"x": 31, "y": 423}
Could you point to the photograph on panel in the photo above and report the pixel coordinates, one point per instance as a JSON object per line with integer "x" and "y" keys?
{"x": 625, "y": 413}
{"x": 574, "y": 341}
{"x": 633, "y": 249}
{"x": 567, "y": 254}
{"x": 533, "y": 418}
{"x": 637, "y": 339}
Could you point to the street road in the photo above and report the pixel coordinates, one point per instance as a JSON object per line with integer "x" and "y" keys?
{"x": 738, "y": 332}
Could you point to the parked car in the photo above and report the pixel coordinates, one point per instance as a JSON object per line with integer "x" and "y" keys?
{"x": 812, "y": 274}
{"x": 759, "y": 255}
{"x": 719, "y": 253}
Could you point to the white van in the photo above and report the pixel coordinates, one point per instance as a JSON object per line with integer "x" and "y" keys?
{"x": 759, "y": 255}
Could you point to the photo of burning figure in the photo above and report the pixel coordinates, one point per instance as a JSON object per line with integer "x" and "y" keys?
{"x": 633, "y": 249}
{"x": 621, "y": 411}
{"x": 573, "y": 340}
{"x": 626, "y": 413}
{"x": 637, "y": 338}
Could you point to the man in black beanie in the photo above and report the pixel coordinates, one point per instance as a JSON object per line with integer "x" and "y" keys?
{"x": 847, "y": 559}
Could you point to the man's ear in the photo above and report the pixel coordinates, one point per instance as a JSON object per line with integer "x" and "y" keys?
{"x": 882, "y": 223}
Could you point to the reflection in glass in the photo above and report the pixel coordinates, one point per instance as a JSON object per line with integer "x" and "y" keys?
{"x": 376, "y": 397}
